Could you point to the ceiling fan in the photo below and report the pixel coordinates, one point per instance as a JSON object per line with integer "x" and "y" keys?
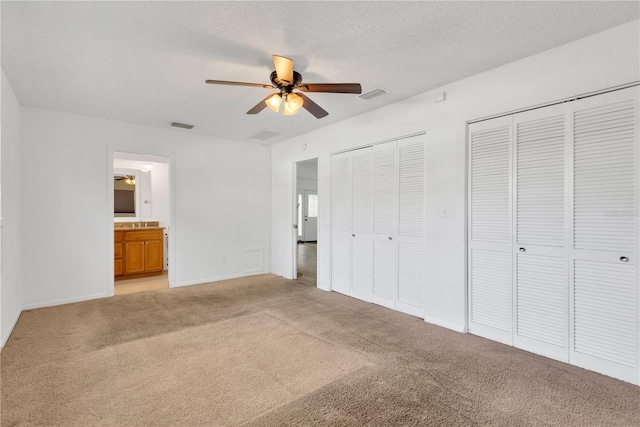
{"x": 286, "y": 80}
{"x": 129, "y": 179}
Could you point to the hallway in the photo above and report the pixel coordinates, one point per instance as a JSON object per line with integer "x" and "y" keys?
{"x": 307, "y": 263}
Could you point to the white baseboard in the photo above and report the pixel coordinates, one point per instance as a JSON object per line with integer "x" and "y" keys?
{"x": 344, "y": 290}
{"x": 283, "y": 275}
{"x": 33, "y": 305}
{"x": 216, "y": 279}
{"x": 453, "y": 326}
{"x": 410, "y": 309}
{"x": 13, "y": 325}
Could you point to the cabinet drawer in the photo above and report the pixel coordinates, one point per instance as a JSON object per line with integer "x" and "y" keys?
{"x": 117, "y": 236}
{"x": 117, "y": 250}
{"x": 143, "y": 235}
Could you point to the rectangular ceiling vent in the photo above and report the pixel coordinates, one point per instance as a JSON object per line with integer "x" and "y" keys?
{"x": 373, "y": 93}
{"x": 181, "y": 125}
{"x": 263, "y": 135}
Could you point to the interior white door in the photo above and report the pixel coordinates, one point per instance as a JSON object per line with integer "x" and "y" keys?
{"x": 411, "y": 216}
{"x": 604, "y": 258}
{"x": 310, "y": 220}
{"x": 361, "y": 224}
{"x": 541, "y": 321}
{"x": 490, "y": 229}
{"x": 341, "y": 209}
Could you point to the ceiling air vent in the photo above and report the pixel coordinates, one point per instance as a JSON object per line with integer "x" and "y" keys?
{"x": 263, "y": 135}
{"x": 181, "y": 125}
{"x": 373, "y": 93}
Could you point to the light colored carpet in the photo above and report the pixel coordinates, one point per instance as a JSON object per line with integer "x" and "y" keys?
{"x": 268, "y": 351}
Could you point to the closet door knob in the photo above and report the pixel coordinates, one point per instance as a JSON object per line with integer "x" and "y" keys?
{"x": 522, "y": 250}
{"x": 353, "y": 235}
{"x": 624, "y": 259}
{"x": 390, "y": 238}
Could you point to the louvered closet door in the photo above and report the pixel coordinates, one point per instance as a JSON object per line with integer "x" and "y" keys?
{"x": 385, "y": 201}
{"x": 362, "y": 224}
{"x": 490, "y": 236}
{"x": 411, "y": 206}
{"x": 540, "y": 254}
{"x": 341, "y": 250}
{"x": 604, "y": 262}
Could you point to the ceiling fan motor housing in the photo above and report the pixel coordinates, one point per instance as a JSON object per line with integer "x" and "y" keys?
{"x": 297, "y": 79}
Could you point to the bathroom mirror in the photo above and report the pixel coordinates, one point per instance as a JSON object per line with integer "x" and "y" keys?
{"x": 124, "y": 195}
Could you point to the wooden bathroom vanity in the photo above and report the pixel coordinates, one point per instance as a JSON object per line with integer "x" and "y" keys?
{"x": 138, "y": 250}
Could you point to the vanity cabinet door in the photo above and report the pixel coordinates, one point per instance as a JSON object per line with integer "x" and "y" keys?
{"x": 153, "y": 256}
{"x": 134, "y": 257}
{"x": 118, "y": 269}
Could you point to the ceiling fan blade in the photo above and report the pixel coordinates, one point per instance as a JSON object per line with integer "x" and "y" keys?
{"x": 331, "y": 87}
{"x": 284, "y": 69}
{"x": 312, "y": 107}
{"x": 224, "y": 82}
{"x": 259, "y": 106}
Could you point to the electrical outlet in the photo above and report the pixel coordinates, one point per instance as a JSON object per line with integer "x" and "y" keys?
{"x": 224, "y": 258}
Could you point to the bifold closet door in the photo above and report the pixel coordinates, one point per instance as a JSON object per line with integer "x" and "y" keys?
{"x": 385, "y": 211}
{"x": 540, "y": 254}
{"x": 411, "y": 206}
{"x": 604, "y": 261}
{"x": 362, "y": 224}
{"x": 341, "y": 235}
{"x": 378, "y": 224}
{"x": 554, "y": 230}
{"x": 490, "y": 225}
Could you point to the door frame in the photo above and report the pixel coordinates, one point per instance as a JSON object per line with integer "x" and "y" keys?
{"x": 111, "y": 149}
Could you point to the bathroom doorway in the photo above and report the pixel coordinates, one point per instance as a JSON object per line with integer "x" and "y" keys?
{"x": 141, "y": 211}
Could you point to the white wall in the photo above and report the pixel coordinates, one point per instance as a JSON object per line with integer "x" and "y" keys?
{"x": 10, "y": 208}
{"x": 160, "y": 197}
{"x": 604, "y": 60}
{"x": 221, "y": 206}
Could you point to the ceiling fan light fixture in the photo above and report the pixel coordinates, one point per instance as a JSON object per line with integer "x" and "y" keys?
{"x": 294, "y": 102}
{"x": 286, "y": 80}
{"x": 288, "y": 111}
{"x": 274, "y": 101}
{"x": 290, "y": 108}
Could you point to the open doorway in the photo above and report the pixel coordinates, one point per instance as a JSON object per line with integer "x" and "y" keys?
{"x": 306, "y": 240}
{"x": 141, "y": 215}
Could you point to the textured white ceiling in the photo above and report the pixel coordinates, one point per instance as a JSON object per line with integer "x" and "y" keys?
{"x": 146, "y": 62}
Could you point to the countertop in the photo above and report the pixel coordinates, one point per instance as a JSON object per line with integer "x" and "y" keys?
{"x": 137, "y": 228}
